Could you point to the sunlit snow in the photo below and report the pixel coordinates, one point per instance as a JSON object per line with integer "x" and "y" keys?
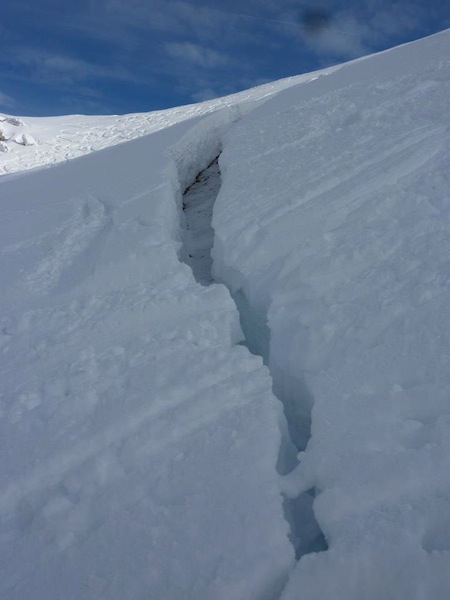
{"x": 243, "y": 391}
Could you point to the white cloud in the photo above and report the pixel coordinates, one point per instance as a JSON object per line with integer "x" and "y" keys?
{"x": 344, "y": 37}
{"x": 197, "y": 55}
{"x": 397, "y": 18}
{"x": 66, "y": 69}
{"x": 6, "y": 101}
{"x": 204, "y": 94}
{"x": 349, "y": 28}
{"x": 359, "y": 29}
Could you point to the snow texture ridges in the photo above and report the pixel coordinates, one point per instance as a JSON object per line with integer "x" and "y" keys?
{"x": 139, "y": 439}
{"x": 333, "y": 220}
{"x": 143, "y": 450}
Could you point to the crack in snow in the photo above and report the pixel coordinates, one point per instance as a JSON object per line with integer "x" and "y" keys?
{"x": 198, "y": 234}
{"x": 197, "y": 242}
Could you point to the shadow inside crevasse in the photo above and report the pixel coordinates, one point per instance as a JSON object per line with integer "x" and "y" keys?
{"x": 197, "y": 243}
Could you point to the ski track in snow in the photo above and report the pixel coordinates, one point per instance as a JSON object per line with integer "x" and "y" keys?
{"x": 59, "y": 139}
{"x": 76, "y": 241}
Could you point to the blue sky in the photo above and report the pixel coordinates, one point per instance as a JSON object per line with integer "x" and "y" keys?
{"x": 116, "y": 56}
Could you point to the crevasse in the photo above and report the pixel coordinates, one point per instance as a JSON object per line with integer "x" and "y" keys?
{"x": 197, "y": 236}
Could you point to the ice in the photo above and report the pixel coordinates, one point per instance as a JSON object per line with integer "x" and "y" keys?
{"x": 145, "y": 452}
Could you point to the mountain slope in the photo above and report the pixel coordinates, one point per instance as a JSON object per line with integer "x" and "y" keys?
{"x": 51, "y": 140}
{"x": 136, "y": 437}
{"x": 145, "y": 454}
{"x": 333, "y": 226}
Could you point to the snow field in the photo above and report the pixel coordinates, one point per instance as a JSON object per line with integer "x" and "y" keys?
{"x": 332, "y": 224}
{"x": 58, "y": 139}
{"x": 144, "y": 452}
{"x": 139, "y": 440}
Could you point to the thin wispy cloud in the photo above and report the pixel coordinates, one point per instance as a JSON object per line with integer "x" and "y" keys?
{"x": 204, "y": 94}
{"x": 344, "y": 37}
{"x": 62, "y": 68}
{"x": 354, "y": 29}
{"x": 6, "y": 101}
{"x": 144, "y": 54}
{"x": 199, "y": 56}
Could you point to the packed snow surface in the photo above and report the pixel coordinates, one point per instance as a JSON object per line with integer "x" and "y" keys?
{"x": 59, "y": 139}
{"x": 139, "y": 441}
{"x": 146, "y": 451}
{"x": 333, "y": 223}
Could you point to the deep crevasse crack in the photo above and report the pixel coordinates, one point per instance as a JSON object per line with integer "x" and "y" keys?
{"x": 198, "y": 234}
{"x": 197, "y": 243}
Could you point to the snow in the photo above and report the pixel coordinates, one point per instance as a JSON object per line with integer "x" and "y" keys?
{"x": 139, "y": 441}
{"x": 198, "y": 234}
{"x": 333, "y": 223}
{"x": 66, "y": 137}
{"x": 145, "y": 452}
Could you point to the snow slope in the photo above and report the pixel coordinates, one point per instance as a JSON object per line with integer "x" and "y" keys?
{"x": 58, "y": 139}
{"x": 333, "y": 224}
{"x": 144, "y": 453}
{"x": 139, "y": 442}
